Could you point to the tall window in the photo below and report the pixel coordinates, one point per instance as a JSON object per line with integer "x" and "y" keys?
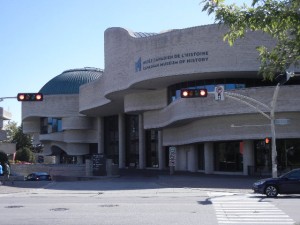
{"x": 228, "y": 156}
{"x": 152, "y": 148}
{"x": 288, "y": 155}
{"x": 111, "y": 138}
{"x": 132, "y": 140}
{"x": 201, "y": 161}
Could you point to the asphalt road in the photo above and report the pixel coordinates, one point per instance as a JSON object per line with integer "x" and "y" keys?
{"x": 134, "y": 200}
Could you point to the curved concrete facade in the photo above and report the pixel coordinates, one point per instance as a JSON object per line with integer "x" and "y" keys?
{"x": 8, "y": 148}
{"x": 137, "y": 82}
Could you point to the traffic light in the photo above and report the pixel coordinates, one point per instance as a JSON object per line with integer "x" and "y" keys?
{"x": 267, "y": 140}
{"x": 193, "y": 93}
{"x": 26, "y": 97}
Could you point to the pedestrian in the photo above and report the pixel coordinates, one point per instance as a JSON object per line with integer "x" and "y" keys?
{"x": 1, "y": 173}
{"x": 6, "y": 172}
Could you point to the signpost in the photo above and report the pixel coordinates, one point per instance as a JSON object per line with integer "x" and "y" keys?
{"x": 99, "y": 165}
{"x": 172, "y": 159}
{"x": 219, "y": 93}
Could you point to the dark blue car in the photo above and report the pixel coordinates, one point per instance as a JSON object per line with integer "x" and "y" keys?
{"x": 38, "y": 176}
{"x": 288, "y": 183}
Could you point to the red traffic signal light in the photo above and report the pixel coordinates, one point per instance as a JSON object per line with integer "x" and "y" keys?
{"x": 26, "y": 97}
{"x": 193, "y": 93}
{"x": 267, "y": 140}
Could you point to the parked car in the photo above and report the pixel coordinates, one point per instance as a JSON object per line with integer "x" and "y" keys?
{"x": 37, "y": 176}
{"x": 288, "y": 183}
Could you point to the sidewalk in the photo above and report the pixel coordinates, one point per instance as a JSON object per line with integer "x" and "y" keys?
{"x": 21, "y": 186}
{"x": 159, "y": 179}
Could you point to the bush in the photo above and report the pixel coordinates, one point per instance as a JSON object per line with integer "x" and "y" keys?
{"x": 24, "y": 155}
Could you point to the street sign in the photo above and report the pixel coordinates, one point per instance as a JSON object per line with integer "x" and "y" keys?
{"x": 172, "y": 156}
{"x": 282, "y": 121}
{"x": 219, "y": 93}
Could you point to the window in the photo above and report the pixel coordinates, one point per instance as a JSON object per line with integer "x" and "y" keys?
{"x": 111, "y": 138}
{"x": 50, "y": 125}
{"x": 152, "y": 148}
{"x": 201, "y": 161}
{"x": 228, "y": 156}
{"x": 132, "y": 140}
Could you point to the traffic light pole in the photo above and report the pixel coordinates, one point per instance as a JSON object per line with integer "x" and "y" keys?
{"x": 273, "y": 133}
{"x": 2, "y": 98}
{"x": 249, "y": 102}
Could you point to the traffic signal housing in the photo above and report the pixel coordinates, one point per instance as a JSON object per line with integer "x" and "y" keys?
{"x": 193, "y": 93}
{"x": 30, "y": 97}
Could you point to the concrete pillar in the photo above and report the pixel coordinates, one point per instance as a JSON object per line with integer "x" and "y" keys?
{"x": 142, "y": 149}
{"x": 248, "y": 156}
{"x": 161, "y": 152}
{"x": 88, "y": 167}
{"x": 57, "y": 159}
{"x": 209, "y": 157}
{"x": 100, "y": 135}
{"x": 121, "y": 128}
{"x": 79, "y": 159}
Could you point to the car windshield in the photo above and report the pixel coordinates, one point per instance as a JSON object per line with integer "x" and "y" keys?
{"x": 291, "y": 174}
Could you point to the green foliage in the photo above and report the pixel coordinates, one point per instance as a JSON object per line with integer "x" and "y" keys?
{"x": 16, "y": 135}
{"x": 25, "y": 155}
{"x": 11, "y": 129}
{"x": 279, "y": 19}
{"x": 3, "y": 157}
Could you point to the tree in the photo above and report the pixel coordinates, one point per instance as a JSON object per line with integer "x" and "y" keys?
{"x": 279, "y": 19}
{"x": 16, "y": 135}
{"x": 3, "y": 158}
{"x": 11, "y": 129}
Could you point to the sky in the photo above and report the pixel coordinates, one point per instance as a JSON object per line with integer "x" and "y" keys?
{"x": 39, "y": 39}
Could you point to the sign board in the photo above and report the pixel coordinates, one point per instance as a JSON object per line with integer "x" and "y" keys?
{"x": 282, "y": 121}
{"x": 172, "y": 156}
{"x": 219, "y": 92}
{"x": 99, "y": 165}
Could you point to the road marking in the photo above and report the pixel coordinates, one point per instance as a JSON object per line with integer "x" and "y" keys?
{"x": 241, "y": 209}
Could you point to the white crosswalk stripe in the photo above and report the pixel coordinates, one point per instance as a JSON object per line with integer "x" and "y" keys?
{"x": 241, "y": 209}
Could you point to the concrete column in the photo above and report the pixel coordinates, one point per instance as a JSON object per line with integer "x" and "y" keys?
{"x": 142, "y": 149}
{"x": 121, "y": 128}
{"x": 79, "y": 159}
{"x": 161, "y": 152}
{"x": 248, "y": 156}
{"x": 100, "y": 135}
{"x": 57, "y": 159}
{"x": 88, "y": 167}
{"x": 209, "y": 157}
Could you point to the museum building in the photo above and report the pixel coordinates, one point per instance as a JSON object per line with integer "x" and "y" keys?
{"x": 132, "y": 111}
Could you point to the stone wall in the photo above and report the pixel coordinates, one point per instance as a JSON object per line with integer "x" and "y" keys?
{"x": 52, "y": 169}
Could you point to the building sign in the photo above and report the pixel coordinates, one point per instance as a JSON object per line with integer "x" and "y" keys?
{"x": 170, "y": 60}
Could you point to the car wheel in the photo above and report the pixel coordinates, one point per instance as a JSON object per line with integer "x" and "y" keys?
{"x": 271, "y": 191}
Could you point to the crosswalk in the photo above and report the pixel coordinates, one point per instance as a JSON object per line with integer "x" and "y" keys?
{"x": 242, "y": 209}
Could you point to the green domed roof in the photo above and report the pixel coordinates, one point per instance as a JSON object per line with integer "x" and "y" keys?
{"x": 70, "y": 80}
